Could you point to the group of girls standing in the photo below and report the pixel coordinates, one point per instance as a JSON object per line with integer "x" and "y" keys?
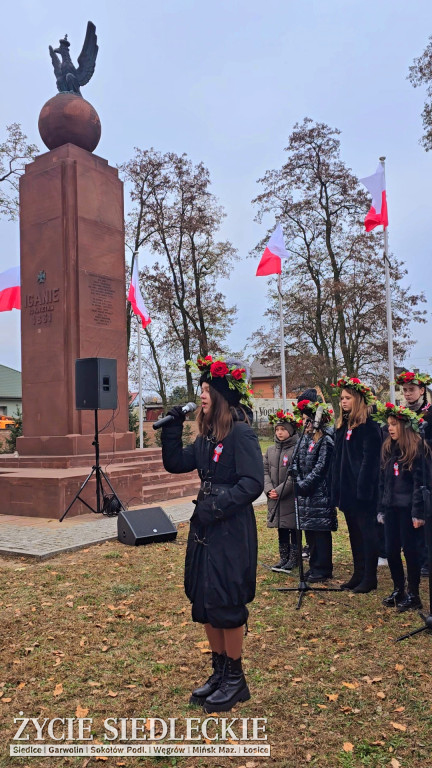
{"x": 371, "y": 467}
{"x": 332, "y": 469}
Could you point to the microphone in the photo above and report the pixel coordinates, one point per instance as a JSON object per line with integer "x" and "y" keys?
{"x": 318, "y": 416}
{"x": 188, "y": 408}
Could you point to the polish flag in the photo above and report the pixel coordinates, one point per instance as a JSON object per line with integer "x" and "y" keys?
{"x": 135, "y": 298}
{"x": 10, "y": 289}
{"x": 377, "y": 188}
{"x": 270, "y": 263}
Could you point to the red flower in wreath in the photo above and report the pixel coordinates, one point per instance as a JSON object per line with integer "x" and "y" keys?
{"x": 238, "y": 373}
{"x": 219, "y": 369}
{"x": 208, "y": 358}
{"x": 280, "y": 413}
{"x": 356, "y": 381}
{"x": 303, "y": 404}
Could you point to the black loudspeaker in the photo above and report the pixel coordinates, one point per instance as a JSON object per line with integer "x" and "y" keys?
{"x": 145, "y": 526}
{"x": 96, "y": 384}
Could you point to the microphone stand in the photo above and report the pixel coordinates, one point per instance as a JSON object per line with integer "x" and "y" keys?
{"x": 303, "y": 586}
{"x": 426, "y": 494}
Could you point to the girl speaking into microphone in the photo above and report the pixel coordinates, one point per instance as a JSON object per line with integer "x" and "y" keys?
{"x": 221, "y": 554}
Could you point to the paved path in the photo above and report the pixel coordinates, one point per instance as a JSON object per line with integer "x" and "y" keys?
{"x": 41, "y": 538}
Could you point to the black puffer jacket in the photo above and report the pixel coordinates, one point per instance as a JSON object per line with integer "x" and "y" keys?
{"x": 400, "y": 487}
{"x": 221, "y": 555}
{"x": 315, "y": 510}
{"x": 355, "y": 467}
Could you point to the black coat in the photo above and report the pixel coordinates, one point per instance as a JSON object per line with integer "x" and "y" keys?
{"x": 315, "y": 510}
{"x": 401, "y": 490}
{"x": 277, "y": 462}
{"x": 355, "y": 467}
{"x": 221, "y": 555}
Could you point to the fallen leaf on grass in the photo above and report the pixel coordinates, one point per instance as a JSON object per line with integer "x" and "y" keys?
{"x": 399, "y": 667}
{"x": 205, "y": 650}
{"x": 201, "y": 644}
{"x": 80, "y": 711}
{"x": 332, "y": 696}
{"x": 394, "y": 763}
{"x": 381, "y": 695}
{"x": 20, "y": 686}
{"x": 351, "y": 685}
{"x": 348, "y": 747}
{"x": 58, "y": 689}
{"x": 322, "y": 706}
{"x": 6, "y": 701}
{"x": 399, "y": 709}
{"x": 398, "y": 726}
{"x": 112, "y": 694}
{"x": 92, "y": 682}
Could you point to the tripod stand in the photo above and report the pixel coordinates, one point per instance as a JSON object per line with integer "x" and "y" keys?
{"x": 428, "y": 531}
{"x": 303, "y": 586}
{"x": 111, "y": 504}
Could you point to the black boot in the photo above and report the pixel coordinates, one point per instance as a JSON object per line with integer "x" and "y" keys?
{"x": 232, "y": 689}
{"x": 284, "y": 553}
{"x": 199, "y": 695}
{"x": 354, "y": 581}
{"x": 294, "y": 559}
{"x": 396, "y": 597}
{"x": 410, "y": 603}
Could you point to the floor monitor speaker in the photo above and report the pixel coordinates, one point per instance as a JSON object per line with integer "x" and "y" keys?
{"x": 145, "y": 526}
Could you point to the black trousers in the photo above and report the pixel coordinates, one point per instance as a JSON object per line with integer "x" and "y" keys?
{"x": 320, "y": 558}
{"x": 287, "y": 535}
{"x": 364, "y": 543}
{"x": 400, "y": 533}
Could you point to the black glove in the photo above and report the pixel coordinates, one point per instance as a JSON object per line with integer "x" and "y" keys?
{"x": 177, "y": 413}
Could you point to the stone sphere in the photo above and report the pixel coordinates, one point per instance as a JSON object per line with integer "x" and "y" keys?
{"x": 68, "y": 118}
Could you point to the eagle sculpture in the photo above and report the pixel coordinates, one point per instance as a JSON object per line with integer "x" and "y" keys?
{"x": 69, "y": 78}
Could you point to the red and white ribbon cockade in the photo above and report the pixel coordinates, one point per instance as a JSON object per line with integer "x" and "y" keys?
{"x": 217, "y": 452}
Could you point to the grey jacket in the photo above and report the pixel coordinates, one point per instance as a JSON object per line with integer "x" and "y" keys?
{"x": 276, "y": 464}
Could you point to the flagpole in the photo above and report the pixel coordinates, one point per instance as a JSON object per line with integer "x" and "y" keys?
{"x": 388, "y": 307}
{"x": 140, "y": 409}
{"x": 282, "y": 343}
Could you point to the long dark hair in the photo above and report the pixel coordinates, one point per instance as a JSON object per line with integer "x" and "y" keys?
{"x": 409, "y": 445}
{"x": 220, "y": 417}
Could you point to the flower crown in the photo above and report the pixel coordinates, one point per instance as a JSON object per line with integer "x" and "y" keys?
{"x": 286, "y": 418}
{"x": 217, "y": 368}
{"x": 398, "y": 412}
{"x": 347, "y": 382}
{"x": 310, "y": 408}
{"x": 409, "y": 377}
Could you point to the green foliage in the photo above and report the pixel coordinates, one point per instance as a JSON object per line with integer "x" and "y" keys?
{"x": 15, "y": 430}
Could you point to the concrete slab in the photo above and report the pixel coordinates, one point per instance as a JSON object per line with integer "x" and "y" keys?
{"x": 43, "y": 538}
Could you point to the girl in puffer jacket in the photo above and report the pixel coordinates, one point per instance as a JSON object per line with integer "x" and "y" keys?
{"x": 401, "y": 505}
{"x": 316, "y": 515}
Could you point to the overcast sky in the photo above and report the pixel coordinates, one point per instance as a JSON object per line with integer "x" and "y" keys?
{"x": 225, "y": 82}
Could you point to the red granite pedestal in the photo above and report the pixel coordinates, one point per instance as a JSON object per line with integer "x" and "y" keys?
{"x": 73, "y": 301}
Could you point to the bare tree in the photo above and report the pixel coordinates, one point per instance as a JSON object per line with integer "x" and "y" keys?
{"x": 420, "y": 73}
{"x": 15, "y": 153}
{"x": 334, "y": 295}
{"x": 176, "y": 217}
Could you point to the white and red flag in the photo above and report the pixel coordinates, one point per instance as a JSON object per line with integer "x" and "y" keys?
{"x": 271, "y": 263}
{"x": 10, "y": 289}
{"x": 377, "y": 188}
{"x": 135, "y": 298}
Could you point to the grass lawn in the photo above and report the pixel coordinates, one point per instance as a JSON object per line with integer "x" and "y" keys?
{"x": 106, "y": 632}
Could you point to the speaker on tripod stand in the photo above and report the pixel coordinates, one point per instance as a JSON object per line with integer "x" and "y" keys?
{"x": 96, "y": 389}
